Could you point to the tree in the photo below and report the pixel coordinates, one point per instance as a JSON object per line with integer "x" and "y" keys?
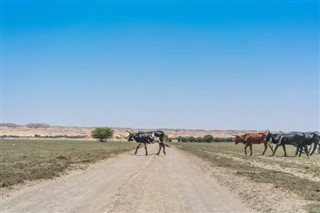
{"x": 179, "y": 138}
{"x": 208, "y": 138}
{"x": 184, "y": 139}
{"x": 199, "y": 139}
{"x": 192, "y": 139}
{"x": 102, "y": 133}
{"x": 166, "y": 138}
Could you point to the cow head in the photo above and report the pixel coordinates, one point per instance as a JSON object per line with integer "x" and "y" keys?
{"x": 238, "y": 139}
{"x": 316, "y": 137}
{"x": 268, "y": 136}
{"x": 130, "y": 137}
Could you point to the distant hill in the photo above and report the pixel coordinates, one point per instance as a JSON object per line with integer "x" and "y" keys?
{"x": 42, "y": 129}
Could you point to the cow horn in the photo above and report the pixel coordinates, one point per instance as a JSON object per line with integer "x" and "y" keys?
{"x": 129, "y": 131}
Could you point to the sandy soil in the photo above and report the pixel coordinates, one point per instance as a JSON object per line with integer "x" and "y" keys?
{"x": 129, "y": 183}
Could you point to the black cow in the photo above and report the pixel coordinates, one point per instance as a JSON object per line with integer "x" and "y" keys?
{"x": 147, "y": 138}
{"x": 297, "y": 139}
{"x": 311, "y": 139}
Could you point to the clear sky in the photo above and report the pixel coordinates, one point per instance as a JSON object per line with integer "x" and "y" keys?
{"x": 170, "y": 64}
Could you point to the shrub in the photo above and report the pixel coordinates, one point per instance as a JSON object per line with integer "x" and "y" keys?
{"x": 102, "y": 133}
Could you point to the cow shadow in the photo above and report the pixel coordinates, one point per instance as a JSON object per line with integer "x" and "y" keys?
{"x": 282, "y": 156}
{"x": 143, "y": 155}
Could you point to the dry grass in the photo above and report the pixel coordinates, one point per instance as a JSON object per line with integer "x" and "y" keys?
{"x": 298, "y": 175}
{"x": 23, "y": 160}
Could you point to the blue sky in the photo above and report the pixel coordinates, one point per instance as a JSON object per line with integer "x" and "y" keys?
{"x": 171, "y": 64}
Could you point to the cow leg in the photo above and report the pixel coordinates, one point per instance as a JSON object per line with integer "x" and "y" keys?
{"x": 301, "y": 147}
{"x": 159, "y": 149}
{"x": 245, "y": 149}
{"x": 145, "y": 147}
{"x": 270, "y": 146}
{"x": 312, "y": 148}
{"x": 265, "y": 148}
{"x": 297, "y": 150}
{"x": 275, "y": 149}
{"x": 315, "y": 144}
{"x": 306, "y": 150}
{"x": 250, "y": 149}
{"x": 163, "y": 145}
{"x": 137, "y": 148}
{"x": 284, "y": 149}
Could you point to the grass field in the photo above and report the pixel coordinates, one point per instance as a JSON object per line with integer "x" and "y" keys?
{"x": 298, "y": 175}
{"x": 24, "y": 160}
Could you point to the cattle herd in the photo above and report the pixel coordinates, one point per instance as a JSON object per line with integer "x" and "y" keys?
{"x": 305, "y": 142}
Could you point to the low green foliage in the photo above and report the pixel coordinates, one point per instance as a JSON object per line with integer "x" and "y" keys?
{"x": 224, "y": 154}
{"x": 23, "y": 160}
{"x": 102, "y": 133}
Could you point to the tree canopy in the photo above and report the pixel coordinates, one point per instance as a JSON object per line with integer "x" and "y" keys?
{"x": 102, "y": 133}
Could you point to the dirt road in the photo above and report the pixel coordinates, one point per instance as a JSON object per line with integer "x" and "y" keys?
{"x": 129, "y": 183}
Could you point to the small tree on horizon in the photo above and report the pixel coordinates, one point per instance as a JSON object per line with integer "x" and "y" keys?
{"x": 208, "y": 138}
{"x": 102, "y": 133}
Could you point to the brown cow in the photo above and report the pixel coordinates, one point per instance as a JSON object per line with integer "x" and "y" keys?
{"x": 253, "y": 138}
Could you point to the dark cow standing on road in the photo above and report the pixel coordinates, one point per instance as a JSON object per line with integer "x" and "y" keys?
{"x": 297, "y": 139}
{"x": 147, "y": 138}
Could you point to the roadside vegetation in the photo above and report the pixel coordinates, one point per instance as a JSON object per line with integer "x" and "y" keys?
{"x": 25, "y": 160}
{"x": 298, "y": 175}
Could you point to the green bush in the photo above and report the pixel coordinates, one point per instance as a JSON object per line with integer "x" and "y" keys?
{"x": 102, "y": 133}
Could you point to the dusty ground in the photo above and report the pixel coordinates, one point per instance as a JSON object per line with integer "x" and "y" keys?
{"x": 260, "y": 197}
{"x": 178, "y": 182}
{"x": 129, "y": 183}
